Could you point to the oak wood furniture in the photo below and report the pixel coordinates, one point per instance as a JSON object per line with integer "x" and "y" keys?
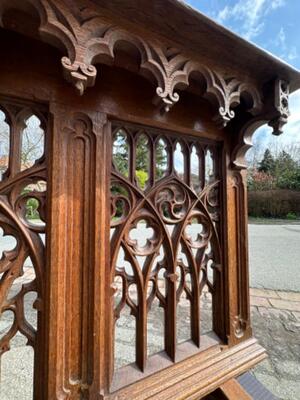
{"x": 105, "y": 81}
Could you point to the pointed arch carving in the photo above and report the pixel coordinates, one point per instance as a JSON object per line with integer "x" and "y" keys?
{"x": 87, "y": 39}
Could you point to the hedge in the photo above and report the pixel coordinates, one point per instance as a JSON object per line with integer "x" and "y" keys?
{"x": 278, "y": 203}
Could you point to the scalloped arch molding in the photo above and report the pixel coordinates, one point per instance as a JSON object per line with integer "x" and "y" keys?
{"x": 86, "y": 38}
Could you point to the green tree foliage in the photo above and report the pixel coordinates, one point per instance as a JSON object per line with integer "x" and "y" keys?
{"x": 142, "y": 178}
{"x": 121, "y": 157}
{"x": 121, "y": 153}
{"x": 287, "y": 172}
{"x": 267, "y": 164}
{"x": 32, "y": 205}
{"x": 161, "y": 159}
{"x": 142, "y": 154}
{"x": 281, "y": 172}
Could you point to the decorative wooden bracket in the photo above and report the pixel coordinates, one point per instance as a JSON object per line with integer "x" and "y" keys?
{"x": 87, "y": 40}
{"x": 281, "y": 104}
{"x": 275, "y": 114}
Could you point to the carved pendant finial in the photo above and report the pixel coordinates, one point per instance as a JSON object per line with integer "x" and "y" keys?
{"x": 281, "y": 103}
{"x": 79, "y": 74}
{"x": 165, "y": 100}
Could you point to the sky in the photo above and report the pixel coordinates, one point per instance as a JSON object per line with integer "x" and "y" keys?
{"x": 274, "y": 26}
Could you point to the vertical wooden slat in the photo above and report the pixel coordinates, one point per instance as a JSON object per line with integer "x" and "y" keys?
{"x": 132, "y": 152}
{"x": 187, "y": 167}
{"x": 195, "y": 311}
{"x": 218, "y": 298}
{"x": 15, "y": 148}
{"x": 202, "y": 167}
{"x": 170, "y": 313}
{"x": 101, "y": 272}
{"x": 141, "y": 331}
{"x": 152, "y": 166}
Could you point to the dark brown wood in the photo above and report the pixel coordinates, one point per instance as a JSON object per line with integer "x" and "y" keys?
{"x": 140, "y": 83}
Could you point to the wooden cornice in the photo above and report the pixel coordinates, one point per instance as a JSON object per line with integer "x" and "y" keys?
{"x": 205, "y": 37}
{"x": 87, "y": 38}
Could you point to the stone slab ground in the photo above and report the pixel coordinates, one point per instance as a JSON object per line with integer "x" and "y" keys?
{"x": 276, "y": 324}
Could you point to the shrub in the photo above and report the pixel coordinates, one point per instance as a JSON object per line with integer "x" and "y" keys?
{"x": 32, "y": 205}
{"x": 260, "y": 181}
{"x": 274, "y": 203}
{"x": 142, "y": 178}
{"x": 291, "y": 216}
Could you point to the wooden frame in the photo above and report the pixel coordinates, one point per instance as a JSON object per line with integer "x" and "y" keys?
{"x": 150, "y": 85}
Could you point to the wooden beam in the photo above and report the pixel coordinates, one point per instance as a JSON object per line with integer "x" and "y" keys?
{"x": 232, "y": 390}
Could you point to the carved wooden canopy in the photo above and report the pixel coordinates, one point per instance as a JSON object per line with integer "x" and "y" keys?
{"x": 87, "y": 35}
{"x": 117, "y": 159}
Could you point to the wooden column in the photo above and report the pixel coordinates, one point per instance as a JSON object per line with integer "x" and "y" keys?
{"x": 238, "y": 312}
{"x": 76, "y": 254}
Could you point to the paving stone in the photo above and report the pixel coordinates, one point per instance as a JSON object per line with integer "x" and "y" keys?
{"x": 285, "y": 305}
{"x": 259, "y": 301}
{"x": 264, "y": 293}
{"x": 292, "y": 326}
{"x": 125, "y": 334}
{"x": 16, "y": 374}
{"x": 296, "y": 315}
{"x": 288, "y": 368}
{"x": 290, "y": 296}
{"x": 253, "y": 309}
{"x": 124, "y": 354}
{"x": 283, "y": 315}
{"x": 284, "y": 389}
{"x": 264, "y": 312}
{"x": 206, "y": 305}
{"x": 265, "y": 367}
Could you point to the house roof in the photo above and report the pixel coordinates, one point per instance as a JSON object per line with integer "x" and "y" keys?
{"x": 188, "y": 27}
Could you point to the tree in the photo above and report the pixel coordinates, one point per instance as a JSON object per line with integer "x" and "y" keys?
{"x": 284, "y": 162}
{"x": 161, "y": 158}
{"x": 267, "y": 164}
{"x": 32, "y": 140}
{"x": 142, "y": 157}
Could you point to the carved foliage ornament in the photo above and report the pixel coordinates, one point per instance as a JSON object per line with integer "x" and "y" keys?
{"x": 88, "y": 40}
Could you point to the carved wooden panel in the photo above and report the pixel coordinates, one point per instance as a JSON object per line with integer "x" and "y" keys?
{"x": 23, "y": 138}
{"x": 165, "y": 227}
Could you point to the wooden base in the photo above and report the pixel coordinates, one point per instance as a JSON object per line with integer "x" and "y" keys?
{"x": 231, "y": 390}
{"x": 198, "y": 375}
{"x": 245, "y": 386}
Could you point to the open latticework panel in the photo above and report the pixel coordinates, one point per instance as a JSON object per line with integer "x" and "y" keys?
{"x": 23, "y": 186}
{"x": 166, "y": 238}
